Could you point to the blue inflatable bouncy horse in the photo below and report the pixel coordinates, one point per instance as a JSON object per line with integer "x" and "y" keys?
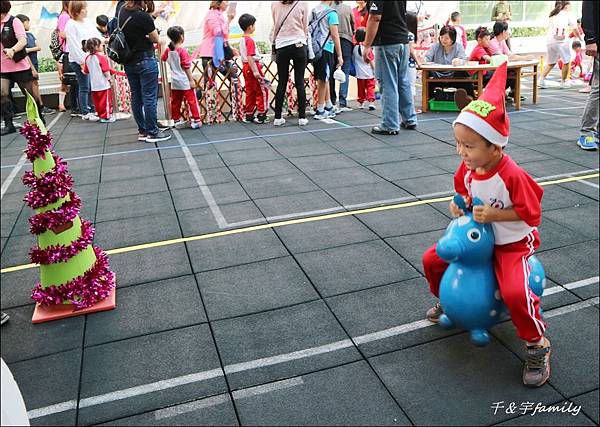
{"x": 469, "y": 291}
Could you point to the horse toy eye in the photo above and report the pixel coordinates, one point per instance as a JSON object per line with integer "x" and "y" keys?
{"x": 473, "y": 235}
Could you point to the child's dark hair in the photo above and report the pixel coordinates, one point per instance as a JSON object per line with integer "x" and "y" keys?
{"x": 102, "y": 20}
{"x": 246, "y": 20}
{"x": 175, "y": 33}
{"x": 559, "y": 7}
{"x": 360, "y": 35}
{"x": 576, "y": 44}
{"x": 91, "y": 45}
{"x": 481, "y": 32}
{"x": 454, "y": 16}
{"x": 451, "y": 31}
{"x": 22, "y": 18}
{"x": 500, "y": 27}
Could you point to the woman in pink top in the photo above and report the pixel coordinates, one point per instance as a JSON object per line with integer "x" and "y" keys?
{"x": 14, "y": 66}
{"x": 215, "y": 25}
{"x": 73, "y": 88}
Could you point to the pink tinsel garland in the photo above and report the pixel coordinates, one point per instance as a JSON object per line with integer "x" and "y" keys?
{"x": 67, "y": 212}
{"x": 48, "y": 188}
{"x": 38, "y": 143}
{"x": 61, "y": 253}
{"x": 84, "y": 291}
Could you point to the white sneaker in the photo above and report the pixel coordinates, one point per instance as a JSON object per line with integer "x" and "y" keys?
{"x": 91, "y": 117}
{"x": 372, "y": 107}
{"x": 337, "y": 110}
{"x": 330, "y": 113}
{"x": 279, "y": 122}
{"x": 565, "y": 84}
{"x": 111, "y": 119}
{"x": 302, "y": 122}
{"x": 195, "y": 125}
{"x": 345, "y": 108}
{"x": 181, "y": 124}
{"x": 543, "y": 84}
{"x": 320, "y": 115}
{"x": 361, "y": 105}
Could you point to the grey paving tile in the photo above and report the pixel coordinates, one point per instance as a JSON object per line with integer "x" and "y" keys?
{"x": 255, "y": 287}
{"x": 135, "y": 206}
{"x": 589, "y": 404}
{"x": 131, "y": 170}
{"x": 550, "y": 167}
{"x": 16, "y": 251}
{"x": 324, "y": 162}
{"x": 252, "y": 155}
{"x": 427, "y": 184}
{"x": 132, "y": 187}
{"x": 354, "y": 267}
{"x": 522, "y": 155}
{"x": 434, "y": 149}
{"x": 192, "y": 197}
{"x": 580, "y": 218}
{"x": 557, "y": 197}
{"x": 410, "y": 220}
{"x": 61, "y": 380}
{"x": 212, "y": 411}
{"x": 281, "y": 185}
{"x": 296, "y": 203}
{"x": 571, "y": 263}
{"x": 532, "y": 418}
{"x": 284, "y": 137}
{"x": 228, "y": 251}
{"x": 340, "y": 134}
{"x": 356, "y": 143}
{"x": 343, "y": 177}
{"x": 356, "y": 196}
{"x": 150, "y": 359}
{"x": 346, "y": 395}
{"x": 133, "y": 268}
{"x": 201, "y": 220}
{"x": 148, "y": 308}
{"x": 586, "y": 190}
{"x": 324, "y": 234}
{"x": 133, "y": 231}
{"x": 279, "y": 332}
{"x": 395, "y": 171}
{"x": 372, "y": 311}
{"x": 180, "y": 164}
{"x": 86, "y": 176}
{"x": 572, "y": 374}
{"x": 211, "y": 177}
{"x": 378, "y": 156}
{"x": 8, "y": 221}
{"x": 42, "y": 339}
{"x": 294, "y": 148}
{"x": 13, "y": 201}
{"x": 554, "y": 235}
{"x": 455, "y": 367}
{"x": 263, "y": 169}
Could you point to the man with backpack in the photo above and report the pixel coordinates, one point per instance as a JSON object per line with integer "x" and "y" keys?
{"x": 388, "y": 32}
{"x": 323, "y": 28}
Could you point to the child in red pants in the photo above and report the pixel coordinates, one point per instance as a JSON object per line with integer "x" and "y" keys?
{"x": 182, "y": 82}
{"x": 257, "y": 91}
{"x": 365, "y": 72}
{"x": 96, "y": 65}
{"x": 512, "y": 206}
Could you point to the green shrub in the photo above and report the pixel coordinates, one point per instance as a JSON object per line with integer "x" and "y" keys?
{"x": 46, "y": 65}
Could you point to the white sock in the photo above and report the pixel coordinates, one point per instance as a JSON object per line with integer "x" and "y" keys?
{"x": 320, "y": 107}
{"x": 61, "y": 98}
{"x": 534, "y": 343}
{"x": 328, "y": 104}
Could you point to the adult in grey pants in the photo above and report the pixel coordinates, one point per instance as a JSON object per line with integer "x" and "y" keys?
{"x": 588, "y": 138}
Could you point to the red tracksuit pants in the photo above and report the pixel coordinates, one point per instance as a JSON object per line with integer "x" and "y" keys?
{"x": 177, "y": 97}
{"x": 103, "y": 102}
{"x": 366, "y": 90}
{"x": 512, "y": 272}
{"x": 257, "y": 95}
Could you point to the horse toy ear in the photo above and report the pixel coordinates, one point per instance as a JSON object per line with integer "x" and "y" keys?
{"x": 477, "y": 201}
{"x": 460, "y": 202}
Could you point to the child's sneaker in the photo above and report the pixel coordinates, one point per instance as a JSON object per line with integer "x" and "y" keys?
{"x": 434, "y": 313}
{"x": 181, "y": 124}
{"x": 587, "y": 142}
{"x": 302, "y": 122}
{"x": 543, "y": 84}
{"x": 537, "y": 365}
{"x": 248, "y": 118}
{"x": 279, "y": 122}
{"x": 372, "y": 107}
{"x": 195, "y": 124}
{"x": 565, "y": 84}
{"x": 361, "y": 105}
{"x": 111, "y": 119}
{"x": 261, "y": 119}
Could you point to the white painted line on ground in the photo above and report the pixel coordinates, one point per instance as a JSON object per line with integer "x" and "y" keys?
{"x": 381, "y": 202}
{"x": 212, "y": 204}
{"x": 283, "y": 358}
{"x": 247, "y": 138}
{"x": 267, "y": 388}
{"x": 20, "y": 163}
{"x": 173, "y": 411}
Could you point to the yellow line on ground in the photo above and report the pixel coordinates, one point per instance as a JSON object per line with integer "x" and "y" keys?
{"x": 291, "y": 222}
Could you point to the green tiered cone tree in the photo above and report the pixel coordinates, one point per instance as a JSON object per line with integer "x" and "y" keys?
{"x": 75, "y": 277}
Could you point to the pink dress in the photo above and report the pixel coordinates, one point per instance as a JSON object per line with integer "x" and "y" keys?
{"x": 7, "y": 65}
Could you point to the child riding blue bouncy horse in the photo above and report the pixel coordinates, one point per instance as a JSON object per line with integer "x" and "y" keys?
{"x": 469, "y": 290}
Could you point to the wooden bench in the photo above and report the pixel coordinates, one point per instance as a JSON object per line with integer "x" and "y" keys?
{"x": 479, "y": 71}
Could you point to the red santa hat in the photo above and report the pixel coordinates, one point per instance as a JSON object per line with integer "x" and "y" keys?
{"x": 487, "y": 115}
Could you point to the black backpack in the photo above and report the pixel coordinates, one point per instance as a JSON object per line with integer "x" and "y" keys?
{"x": 9, "y": 39}
{"x": 117, "y": 49}
{"x": 55, "y": 46}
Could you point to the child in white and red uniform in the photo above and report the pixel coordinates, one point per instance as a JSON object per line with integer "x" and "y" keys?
{"x": 257, "y": 92}
{"x": 182, "y": 82}
{"x": 513, "y": 207}
{"x": 365, "y": 72}
{"x": 96, "y": 65}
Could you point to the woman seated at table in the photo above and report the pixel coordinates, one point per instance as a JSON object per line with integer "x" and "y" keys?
{"x": 498, "y": 46}
{"x": 447, "y": 52}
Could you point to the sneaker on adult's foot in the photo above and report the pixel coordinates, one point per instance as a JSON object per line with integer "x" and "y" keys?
{"x": 142, "y": 137}
{"x": 279, "y": 122}
{"x": 345, "y": 108}
{"x": 161, "y": 126}
{"x": 302, "y": 122}
{"x": 408, "y": 126}
{"x": 537, "y": 364}
{"x": 434, "y": 313}
{"x": 75, "y": 113}
{"x": 47, "y": 111}
{"x": 381, "y": 131}
{"x": 91, "y": 117}
{"x": 330, "y": 112}
{"x": 159, "y": 137}
{"x": 321, "y": 115}
{"x": 587, "y": 142}
{"x": 543, "y": 84}
{"x": 181, "y": 124}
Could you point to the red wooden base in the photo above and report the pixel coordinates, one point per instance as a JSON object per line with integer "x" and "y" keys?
{"x": 61, "y": 311}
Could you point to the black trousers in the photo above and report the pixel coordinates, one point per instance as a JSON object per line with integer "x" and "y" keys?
{"x": 285, "y": 55}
